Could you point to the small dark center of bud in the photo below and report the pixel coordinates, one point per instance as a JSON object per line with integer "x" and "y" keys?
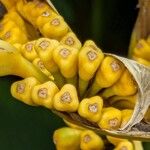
{"x": 45, "y": 14}
{"x": 64, "y": 52}
{"x": 2, "y": 49}
{"x": 41, "y": 64}
{"x": 92, "y": 55}
{"x": 93, "y": 108}
{"x": 44, "y": 44}
{"x": 113, "y": 122}
{"x": 66, "y": 97}
{"x": 20, "y": 88}
{"x": 40, "y": 5}
{"x": 7, "y": 35}
{"x": 29, "y": 47}
{"x": 42, "y": 93}
{"x": 123, "y": 148}
{"x": 69, "y": 41}
{"x": 55, "y": 22}
{"x": 139, "y": 46}
{"x": 115, "y": 66}
{"x": 87, "y": 138}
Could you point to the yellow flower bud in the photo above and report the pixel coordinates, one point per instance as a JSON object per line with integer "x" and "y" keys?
{"x": 70, "y": 39}
{"x": 141, "y": 61}
{"x": 67, "y": 139}
{"x": 15, "y": 17}
{"x": 39, "y": 8}
{"x": 26, "y": 9}
{"x": 108, "y": 73}
{"x": 142, "y": 50}
{"x": 40, "y": 65}
{"x": 91, "y": 108}
{"x": 56, "y": 28}
{"x": 14, "y": 35}
{"x": 110, "y": 118}
{"x": 44, "y": 17}
{"x": 123, "y": 102}
{"x": 126, "y": 116}
{"x": 90, "y": 57}
{"x": 91, "y": 141}
{"x": 66, "y": 99}
{"x": 125, "y": 86}
{"x": 43, "y": 94}
{"x": 28, "y": 51}
{"x": 45, "y": 47}
{"x": 19, "y": 6}
{"x": 9, "y": 5}
{"x": 6, "y": 25}
{"x": 124, "y": 145}
{"x": 66, "y": 58}
{"x": 21, "y": 90}
{"x": 17, "y": 46}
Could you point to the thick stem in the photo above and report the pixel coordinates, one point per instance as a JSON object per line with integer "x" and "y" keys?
{"x": 26, "y": 69}
{"x": 72, "y": 81}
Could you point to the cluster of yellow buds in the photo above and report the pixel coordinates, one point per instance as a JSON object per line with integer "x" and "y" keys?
{"x": 73, "y": 78}
{"x": 12, "y": 28}
{"x": 65, "y": 99}
{"x": 62, "y": 74}
{"x": 41, "y": 16}
{"x": 78, "y": 138}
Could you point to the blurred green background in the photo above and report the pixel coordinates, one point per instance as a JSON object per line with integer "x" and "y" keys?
{"x": 109, "y": 23}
